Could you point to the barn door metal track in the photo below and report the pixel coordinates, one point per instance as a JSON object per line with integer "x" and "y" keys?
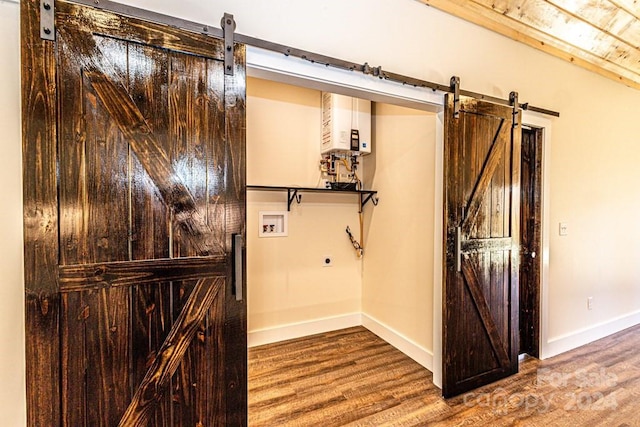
{"x": 229, "y": 31}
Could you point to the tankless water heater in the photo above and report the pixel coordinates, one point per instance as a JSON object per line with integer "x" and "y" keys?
{"x": 346, "y": 124}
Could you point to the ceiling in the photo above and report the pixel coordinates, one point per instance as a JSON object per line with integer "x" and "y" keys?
{"x": 600, "y": 35}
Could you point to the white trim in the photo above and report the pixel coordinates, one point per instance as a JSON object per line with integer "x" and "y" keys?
{"x": 274, "y": 66}
{"x": 303, "y": 329}
{"x": 539, "y": 121}
{"x": 587, "y": 335}
{"x": 438, "y": 238}
{"x": 420, "y": 354}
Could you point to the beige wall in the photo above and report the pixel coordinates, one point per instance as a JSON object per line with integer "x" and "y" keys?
{"x": 287, "y": 282}
{"x": 594, "y": 149}
{"x": 12, "y": 393}
{"x": 595, "y": 146}
{"x": 398, "y": 266}
{"x": 593, "y": 159}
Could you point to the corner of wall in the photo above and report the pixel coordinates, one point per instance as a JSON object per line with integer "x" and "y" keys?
{"x": 416, "y": 352}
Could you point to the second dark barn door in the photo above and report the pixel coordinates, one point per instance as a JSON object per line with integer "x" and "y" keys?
{"x": 151, "y": 192}
{"x": 480, "y": 295}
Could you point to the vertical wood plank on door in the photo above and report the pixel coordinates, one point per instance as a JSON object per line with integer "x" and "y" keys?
{"x": 108, "y": 355}
{"x": 152, "y": 320}
{"x": 198, "y": 156}
{"x": 107, "y": 226}
{"x": 74, "y": 246}
{"x": 530, "y": 232}
{"x": 148, "y": 80}
{"x": 215, "y": 351}
{"x": 496, "y": 285}
{"x": 39, "y": 160}
{"x": 72, "y": 189}
{"x": 469, "y": 163}
{"x": 183, "y": 382}
{"x": 106, "y": 166}
{"x": 188, "y": 123}
{"x": 483, "y": 142}
{"x": 452, "y": 201}
{"x": 73, "y": 359}
{"x": 497, "y": 297}
{"x": 497, "y": 196}
{"x": 514, "y": 217}
{"x": 200, "y": 365}
{"x": 499, "y": 205}
{"x": 216, "y": 218}
{"x": 507, "y": 193}
{"x": 235, "y": 334}
{"x": 485, "y": 131}
{"x": 216, "y": 150}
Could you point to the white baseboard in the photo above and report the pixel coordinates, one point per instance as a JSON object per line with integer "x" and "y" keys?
{"x": 421, "y": 355}
{"x": 298, "y": 330}
{"x": 578, "y": 338}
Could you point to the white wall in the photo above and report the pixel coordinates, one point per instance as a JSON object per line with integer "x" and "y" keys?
{"x": 12, "y": 392}
{"x": 594, "y": 155}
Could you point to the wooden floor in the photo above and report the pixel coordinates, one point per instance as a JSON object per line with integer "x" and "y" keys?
{"x": 353, "y": 378}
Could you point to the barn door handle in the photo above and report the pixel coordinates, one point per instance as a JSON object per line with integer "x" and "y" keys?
{"x": 458, "y": 249}
{"x": 237, "y": 266}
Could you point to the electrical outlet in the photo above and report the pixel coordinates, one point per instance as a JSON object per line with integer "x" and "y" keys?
{"x": 327, "y": 261}
{"x": 563, "y": 229}
{"x": 590, "y": 303}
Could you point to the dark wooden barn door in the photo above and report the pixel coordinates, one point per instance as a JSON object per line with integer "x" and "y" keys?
{"x": 134, "y": 165}
{"x": 480, "y": 295}
{"x": 530, "y": 241}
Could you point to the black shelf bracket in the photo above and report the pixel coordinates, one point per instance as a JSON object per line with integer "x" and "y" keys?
{"x": 292, "y": 194}
{"x": 365, "y": 196}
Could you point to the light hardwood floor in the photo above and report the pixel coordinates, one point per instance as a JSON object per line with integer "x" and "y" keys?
{"x": 353, "y": 378}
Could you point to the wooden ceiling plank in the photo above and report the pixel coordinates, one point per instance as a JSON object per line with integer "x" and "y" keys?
{"x": 604, "y": 16}
{"x": 630, "y": 31}
{"x": 632, "y": 7}
{"x": 518, "y": 31}
{"x": 548, "y": 18}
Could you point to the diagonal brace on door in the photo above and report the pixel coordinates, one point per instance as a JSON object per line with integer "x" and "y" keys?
{"x": 171, "y": 352}
{"x": 111, "y": 90}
